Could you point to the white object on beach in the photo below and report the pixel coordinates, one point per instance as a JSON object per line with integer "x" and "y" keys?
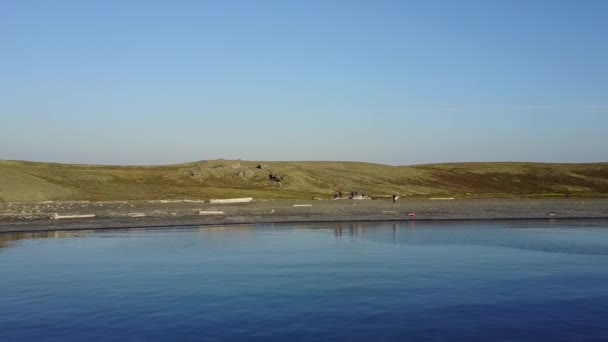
{"x": 210, "y": 212}
{"x": 137, "y": 214}
{"x": 176, "y": 201}
{"x": 302, "y": 205}
{"x": 441, "y": 198}
{"x": 56, "y": 216}
{"x": 231, "y": 200}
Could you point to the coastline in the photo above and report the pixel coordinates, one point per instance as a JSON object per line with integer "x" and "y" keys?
{"x": 36, "y": 217}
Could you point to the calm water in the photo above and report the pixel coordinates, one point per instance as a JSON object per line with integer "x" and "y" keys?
{"x": 355, "y": 282}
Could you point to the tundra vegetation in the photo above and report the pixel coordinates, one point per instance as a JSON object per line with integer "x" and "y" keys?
{"x": 22, "y": 181}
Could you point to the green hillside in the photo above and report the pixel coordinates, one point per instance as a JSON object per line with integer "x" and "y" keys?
{"x": 32, "y": 181}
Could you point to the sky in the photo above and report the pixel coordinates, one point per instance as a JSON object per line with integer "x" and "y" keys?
{"x": 392, "y": 82}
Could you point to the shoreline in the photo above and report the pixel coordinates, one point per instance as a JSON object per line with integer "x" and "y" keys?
{"x": 82, "y": 226}
{"x": 35, "y": 217}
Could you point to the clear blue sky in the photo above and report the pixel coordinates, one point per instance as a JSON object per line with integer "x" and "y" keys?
{"x": 396, "y": 82}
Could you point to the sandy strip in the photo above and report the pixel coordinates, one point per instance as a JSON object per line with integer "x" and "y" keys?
{"x": 28, "y": 217}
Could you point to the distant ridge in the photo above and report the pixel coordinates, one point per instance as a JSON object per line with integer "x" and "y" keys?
{"x": 23, "y": 181}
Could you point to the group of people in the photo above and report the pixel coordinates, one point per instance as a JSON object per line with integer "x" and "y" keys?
{"x": 353, "y": 195}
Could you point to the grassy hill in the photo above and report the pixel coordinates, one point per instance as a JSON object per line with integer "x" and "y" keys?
{"x": 31, "y": 181}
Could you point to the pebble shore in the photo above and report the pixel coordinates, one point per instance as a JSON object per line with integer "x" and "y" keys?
{"x": 52, "y": 216}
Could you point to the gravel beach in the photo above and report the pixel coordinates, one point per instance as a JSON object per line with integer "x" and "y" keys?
{"x": 30, "y": 217}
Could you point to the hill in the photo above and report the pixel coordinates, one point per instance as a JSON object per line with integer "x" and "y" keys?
{"x": 22, "y": 181}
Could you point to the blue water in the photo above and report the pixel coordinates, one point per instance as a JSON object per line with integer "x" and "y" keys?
{"x": 309, "y": 282}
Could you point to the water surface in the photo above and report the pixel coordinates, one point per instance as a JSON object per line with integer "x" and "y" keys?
{"x": 346, "y": 281}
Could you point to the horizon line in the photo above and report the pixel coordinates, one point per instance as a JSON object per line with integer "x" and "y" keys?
{"x": 303, "y": 161}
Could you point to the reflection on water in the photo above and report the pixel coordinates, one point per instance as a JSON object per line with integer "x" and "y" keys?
{"x": 561, "y": 234}
{"x": 547, "y": 236}
{"x": 6, "y": 240}
{"x": 357, "y": 228}
{"x": 325, "y": 281}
